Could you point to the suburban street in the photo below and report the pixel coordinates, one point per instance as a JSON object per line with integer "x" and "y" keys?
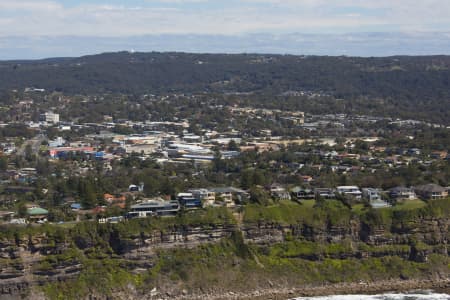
{"x": 35, "y": 144}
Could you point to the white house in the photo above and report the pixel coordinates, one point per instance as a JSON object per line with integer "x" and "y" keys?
{"x": 350, "y": 190}
{"x": 371, "y": 194}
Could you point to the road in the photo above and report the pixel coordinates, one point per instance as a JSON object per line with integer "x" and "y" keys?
{"x": 35, "y": 144}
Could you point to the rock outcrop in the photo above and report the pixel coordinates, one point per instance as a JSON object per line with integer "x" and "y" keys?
{"x": 20, "y": 258}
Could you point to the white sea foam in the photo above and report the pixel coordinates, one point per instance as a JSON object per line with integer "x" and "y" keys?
{"x": 388, "y": 296}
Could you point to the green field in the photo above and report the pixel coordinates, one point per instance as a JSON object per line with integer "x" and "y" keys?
{"x": 410, "y": 204}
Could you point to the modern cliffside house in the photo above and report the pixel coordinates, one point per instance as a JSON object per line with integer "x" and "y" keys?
{"x": 326, "y": 193}
{"x": 229, "y": 195}
{"x": 349, "y": 190}
{"x": 279, "y": 192}
{"x": 371, "y": 194}
{"x": 301, "y": 193}
{"x": 374, "y": 197}
{"x": 207, "y": 197}
{"x": 154, "y": 207}
{"x": 431, "y": 191}
{"x": 189, "y": 201}
{"x": 401, "y": 193}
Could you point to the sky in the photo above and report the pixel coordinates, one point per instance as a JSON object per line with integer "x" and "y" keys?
{"x": 37, "y": 28}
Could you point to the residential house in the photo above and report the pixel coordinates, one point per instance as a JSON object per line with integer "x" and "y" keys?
{"x": 431, "y": 191}
{"x": 36, "y": 213}
{"x": 154, "y": 207}
{"x": 349, "y": 190}
{"x": 371, "y": 194}
{"x": 301, "y": 193}
{"x": 207, "y": 197}
{"x": 374, "y": 197}
{"x": 229, "y": 194}
{"x": 279, "y": 192}
{"x": 188, "y": 201}
{"x": 326, "y": 193}
{"x": 401, "y": 193}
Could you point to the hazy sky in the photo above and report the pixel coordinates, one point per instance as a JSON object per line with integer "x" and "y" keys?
{"x": 96, "y": 18}
{"x": 136, "y": 17}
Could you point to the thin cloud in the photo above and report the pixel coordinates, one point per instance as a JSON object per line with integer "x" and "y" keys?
{"x": 52, "y": 18}
{"x": 29, "y": 6}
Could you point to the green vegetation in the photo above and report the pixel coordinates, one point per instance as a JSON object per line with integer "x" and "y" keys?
{"x": 410, "y": 204}
{"x": 96, "y": 250}
{"x": 226, "y": 265}
{"x": 400, "y": 86}
{"x": 311, "y": 250}
{"x": 283, "y": 213}
{"x": 329, "y": 212}
{"x": 69, "y": 257}
{"x": 347, "y": 270}
{"x": 97, "y": 276}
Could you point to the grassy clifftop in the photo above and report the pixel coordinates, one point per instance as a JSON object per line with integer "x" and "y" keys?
{"x": 283, "y": 245}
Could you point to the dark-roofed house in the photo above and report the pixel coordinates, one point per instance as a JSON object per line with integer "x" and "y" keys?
{"x": 431, "y": 191}
{"x": 402, "y": 193}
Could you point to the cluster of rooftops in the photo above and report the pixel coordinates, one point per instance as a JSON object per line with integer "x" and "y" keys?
{"x": 197, "y": 198}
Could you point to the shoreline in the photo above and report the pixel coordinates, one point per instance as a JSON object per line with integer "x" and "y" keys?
{"x": 351, "y": 288}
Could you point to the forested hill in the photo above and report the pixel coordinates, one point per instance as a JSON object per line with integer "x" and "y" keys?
{"x": 421, "y": 79}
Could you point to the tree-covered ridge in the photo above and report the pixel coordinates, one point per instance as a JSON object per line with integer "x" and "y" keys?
{"x": 414, "y": 87}
{"x": 421, "y": 78}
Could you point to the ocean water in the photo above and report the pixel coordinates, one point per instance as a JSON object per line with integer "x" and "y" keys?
{"x": 388, "y": 296}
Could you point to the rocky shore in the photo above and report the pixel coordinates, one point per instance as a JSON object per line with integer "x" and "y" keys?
{"x": 278, "y": 293}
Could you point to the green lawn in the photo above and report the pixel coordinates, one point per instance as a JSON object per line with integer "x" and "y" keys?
{"x": 289, "y": 212}
{"x": 308, "y": 203}
{"x": 410, "y": 204}
{"x": 284, "y": 212}
{"x": 407, "y": 205}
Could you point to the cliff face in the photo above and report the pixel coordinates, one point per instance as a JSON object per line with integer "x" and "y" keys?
{"x": 430, "y": 231}
{"x": 22, "y": 258}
